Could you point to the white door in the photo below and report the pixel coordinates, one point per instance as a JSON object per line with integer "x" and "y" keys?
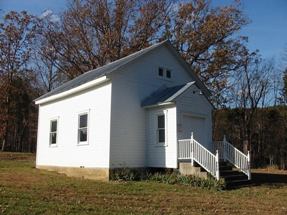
{"x": 196, "y": 125}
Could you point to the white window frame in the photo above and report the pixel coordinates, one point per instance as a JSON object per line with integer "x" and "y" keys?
{"x": 170, "y": 72}
{"x": 163, "y": 72}
{"x": 50, "y": 132}
{"x": 164, "y": 76}
{"x": 158, "y": 129}
{"x": 80, "y": 143}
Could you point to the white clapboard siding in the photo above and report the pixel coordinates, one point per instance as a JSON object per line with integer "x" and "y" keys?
{"x": 67, "y": 153}
{"x": 128, "y": 118}
{"x": 195, "y": 105}
{"x": 162, "y": 155}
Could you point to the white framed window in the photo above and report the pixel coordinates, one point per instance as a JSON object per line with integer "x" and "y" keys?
{"x": 168, "y": 73}
{"x": 53, "y": 132}
{"x": 161, "y": 129}
{"x": 160, "y": 72}
{"x": 164, "y": 73}
{"x": 83, "y": 128}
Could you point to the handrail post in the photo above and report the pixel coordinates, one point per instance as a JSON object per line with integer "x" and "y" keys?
{"x": 224, "y": 147}
{"x": 192, "y": 149}
{"x": 248, "y": 165}
{"x": 217, "y": 164}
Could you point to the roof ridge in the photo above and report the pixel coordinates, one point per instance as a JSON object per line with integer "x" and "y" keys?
{"x": 127, "y": 56}
{"x": 100, "y": 71}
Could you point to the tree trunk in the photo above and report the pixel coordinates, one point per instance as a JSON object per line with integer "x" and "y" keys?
{"x": 3, "y": 145}
{"x": 245, "y": 146}
{"x": 271, "y": 162}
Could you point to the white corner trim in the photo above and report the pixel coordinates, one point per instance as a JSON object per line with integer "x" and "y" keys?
{"x": 74, "y": 90}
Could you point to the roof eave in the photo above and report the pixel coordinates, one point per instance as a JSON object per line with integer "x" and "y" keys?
{"x": 181, "y": 91}
{"x": 80, "y": 88}
{"x": 159, "y": 104}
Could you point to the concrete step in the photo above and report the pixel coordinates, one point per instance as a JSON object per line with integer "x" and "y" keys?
{"x": 224, "y": 163}
{"x": 236, "y": 177}
{"x": 185, "y": 168}
{"x": 226, "y": 167}
{"x": 232, "y": 177}
{"x": 237, "y": 183}
{"x": 229, "y": 172}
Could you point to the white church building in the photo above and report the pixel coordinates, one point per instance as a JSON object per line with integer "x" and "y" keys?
{"x": 136, "y": 112}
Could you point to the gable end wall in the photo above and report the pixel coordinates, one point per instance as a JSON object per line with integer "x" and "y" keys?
{"x": 128, "y": 119}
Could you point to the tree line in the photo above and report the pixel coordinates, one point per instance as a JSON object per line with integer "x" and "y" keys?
{"x": 267, "y": 138}
{"x": 38, "y": 53}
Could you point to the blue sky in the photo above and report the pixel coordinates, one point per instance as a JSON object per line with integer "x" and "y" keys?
{"x": 267, "y": 30}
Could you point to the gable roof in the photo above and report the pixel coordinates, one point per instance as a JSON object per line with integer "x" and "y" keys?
{"x": 166, "y": 95}
{"x": 116, "y": 65}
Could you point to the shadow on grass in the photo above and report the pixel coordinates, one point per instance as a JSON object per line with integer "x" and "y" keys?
{"x": 268, "y": 179}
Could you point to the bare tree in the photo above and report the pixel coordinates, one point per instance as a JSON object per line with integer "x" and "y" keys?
{"x": 250, "y": 88}
{"x": 45, "y": 58}
{"x": 276, "y": 84}
{"x": 205, "y": 38}
{"x": 283, "y": 91}
{"x": 17, "y": 31}
{"x": 283, "y": 96}
{"x": 94, "y": 32}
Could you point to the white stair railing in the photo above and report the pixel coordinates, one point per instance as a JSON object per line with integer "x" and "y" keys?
{"x": 184, "y": 149}
{"x": 191, "y": 149}
{"x": 228, "y": 152}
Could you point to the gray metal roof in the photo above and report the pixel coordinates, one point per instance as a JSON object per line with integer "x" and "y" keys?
{"x": 99, "y": 72}
{"x": 165, "y": 95}
{"x": 116, "y": 65}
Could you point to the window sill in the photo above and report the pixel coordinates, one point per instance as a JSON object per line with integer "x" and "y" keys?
{"x": 82, "y": 144}
{"x": 53, "y": 145}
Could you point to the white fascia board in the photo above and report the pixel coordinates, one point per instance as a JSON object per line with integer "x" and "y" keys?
{"x": 159, "y": 105}
{"x": 72, "y": 91}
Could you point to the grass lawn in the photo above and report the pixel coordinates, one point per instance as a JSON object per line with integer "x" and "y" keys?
{"x": 26, "y": 190}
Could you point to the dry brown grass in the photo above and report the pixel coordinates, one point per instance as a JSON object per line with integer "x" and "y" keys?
{"x": 26, "y": 190}
{"x": 16, "y": 156}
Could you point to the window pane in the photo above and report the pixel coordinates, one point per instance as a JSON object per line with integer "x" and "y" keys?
{"x": 160, "y": 121}
{"x": 53, "y": 125}
{"x": 160, "y": 71}
{"x": 161, "y": 136}
{"x": 83, "y": 134}
{"x": 168, "y": 74}
{"x": 83, "y": 120}
{"x": 53, "y": 138}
